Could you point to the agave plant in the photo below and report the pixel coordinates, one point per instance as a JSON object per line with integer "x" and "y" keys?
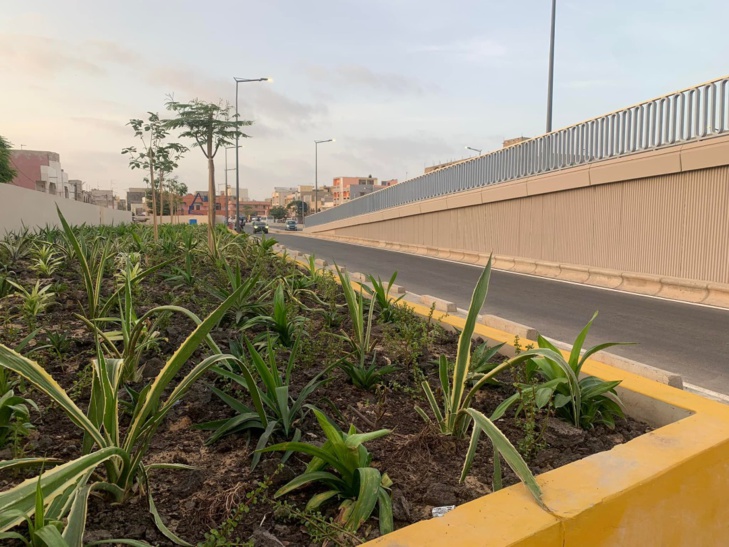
{"x": 342, "y": 464}
{"x": 455, "y": 416}
{"x": 283, "y": 328}
{"x": 274, "y": 409}
{"x": 589, "y": 402}
{"x": 380, "y": 297}
{"x": 35, "y": 300}
{"x": 120, "y": 449}
{"x": 93, "y": 261}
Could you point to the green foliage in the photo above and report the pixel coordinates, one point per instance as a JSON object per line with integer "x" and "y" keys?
{"x": 120, "y": 449}
{"x": 364, "y": 376}
{"x": 226, "y": 535}
{"x": 14, "y": 413}
{"x": 46, "y": 260}
{"x": 7, "y": 171}
{"x": 342, "y": 464}
{"x": 380, "y": 297}
{"x": 34, "y": 301}
{"x": 283, "y": 328}
{"x": 274, "y": 409}
{"x": 583, "y": 402}
{"x": 360, "y": 341}
{"x": 278, "y": 212}
{"x": 15, "y": 245}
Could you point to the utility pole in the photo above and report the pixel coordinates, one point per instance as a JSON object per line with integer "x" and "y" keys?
{"x": 550, "y": 83}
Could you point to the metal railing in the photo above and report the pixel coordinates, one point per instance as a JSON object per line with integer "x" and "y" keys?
{"x": 695, "y": 113}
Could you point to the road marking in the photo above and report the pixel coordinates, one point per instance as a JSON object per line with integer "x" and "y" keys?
{"x": 527, "y": 275}
{"x": 715, "y": 395}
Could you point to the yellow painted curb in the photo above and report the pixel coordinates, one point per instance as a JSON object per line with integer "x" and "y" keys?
{"x": 665, "y": 488}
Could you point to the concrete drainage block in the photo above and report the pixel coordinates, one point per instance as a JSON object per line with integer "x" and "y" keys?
{"x": 440, "y": 304}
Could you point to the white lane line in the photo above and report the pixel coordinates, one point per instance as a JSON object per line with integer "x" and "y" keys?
{"x": 715, "y": 395}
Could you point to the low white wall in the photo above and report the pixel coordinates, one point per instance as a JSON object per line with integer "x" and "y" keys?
{"x": 36, "y": 209}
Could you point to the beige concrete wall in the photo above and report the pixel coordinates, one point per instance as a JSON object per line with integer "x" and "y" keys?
{"x": 21, "y": 206}
{"x": 662, "y": 213}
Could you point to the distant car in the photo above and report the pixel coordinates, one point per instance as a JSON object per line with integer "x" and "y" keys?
{"x": 291, "y": 225}
{"x": 259, "y": 226}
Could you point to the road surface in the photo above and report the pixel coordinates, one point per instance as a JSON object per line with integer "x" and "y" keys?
{"x": 691, "y": 340}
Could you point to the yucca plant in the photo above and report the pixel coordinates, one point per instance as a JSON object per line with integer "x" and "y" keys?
{"x": 246, "y": 306}
{"x": 591, "y": 401}
{"x": 279, "y": 325}
{"x": 453, "y": 419}
{"x": 366, "y": 376}
{"x": 380, "y": 297}
{"x": 34, "y": 301}
{"x": 14, "y": 411}
{"x": 47, "y": 528}
{"x": 93, "y": 261}
{"x": 274, "y": 410}
{"x": 16, "y": 245}
{"x": 342, "y": 464}
{"x": 361, "y": 341}
{"x": 482, "y": 361}
{"x": 46, "y": 261}
{"x": 182, "y": 277}
{"x": 120, "y": 449}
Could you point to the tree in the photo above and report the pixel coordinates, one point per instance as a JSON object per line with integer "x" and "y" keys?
{"x": 211, "y": 126}
{"x": 278, "y": 212}
{"x": 178, "y": 189}
{"x": 7, "y": 172}
{"x": 154, "y": 155}
{"x": 300, "y": 207}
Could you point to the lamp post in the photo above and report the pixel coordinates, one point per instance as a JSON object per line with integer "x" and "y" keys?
{"x": 474, "y": 149}
{"x": 226, "y": 184}
{"x": 550, "y": 82}
{"x": 316, "y": 173}
{"x": 237, "y": 167}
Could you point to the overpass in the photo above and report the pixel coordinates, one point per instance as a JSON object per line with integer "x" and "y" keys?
{"x": 636, "y": 199}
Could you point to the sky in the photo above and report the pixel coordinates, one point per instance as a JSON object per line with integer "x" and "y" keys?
{"x": 400, "y": 84}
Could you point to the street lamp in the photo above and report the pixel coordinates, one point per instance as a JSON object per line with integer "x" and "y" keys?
{"x": 237, "y": 167}
{"x": 550, "y": 82}
{"x": 227, "y": 211}
{"x": 474, "y": 149}
{"x": 316, "y": 173}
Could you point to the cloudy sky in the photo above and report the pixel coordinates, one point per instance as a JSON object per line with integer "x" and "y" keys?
{"x": 400, "y": 84}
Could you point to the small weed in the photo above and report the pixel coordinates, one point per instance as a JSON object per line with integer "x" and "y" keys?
{"x": 226, "y": 535}
{"x": 321, "y": 530}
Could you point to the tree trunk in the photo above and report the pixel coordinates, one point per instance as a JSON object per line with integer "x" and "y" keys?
{"x": 154, "y": 194}
{"x": 211, "y": 200}
{"x": 169, "y": 190}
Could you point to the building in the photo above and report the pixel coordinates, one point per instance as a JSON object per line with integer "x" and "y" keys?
{"x": 103, "y": 198}
{"x": 346, "y": 188}
{"x": 136, "y": 200}
{"x": 280, "y": 196}
{"x": 40, "y": 170}
{"x": 386, "y": 183}
{"x": 198, "y": 203}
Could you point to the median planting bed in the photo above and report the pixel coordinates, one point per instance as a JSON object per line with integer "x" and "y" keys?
{"x": 226, "y": 396}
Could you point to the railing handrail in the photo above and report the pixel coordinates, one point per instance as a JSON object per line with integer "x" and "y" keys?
{"x": 690, "y": 112}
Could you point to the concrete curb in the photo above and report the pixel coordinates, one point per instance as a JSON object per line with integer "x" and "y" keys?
{"x": 623, "y": 363}
{"x": 527, "y": 334}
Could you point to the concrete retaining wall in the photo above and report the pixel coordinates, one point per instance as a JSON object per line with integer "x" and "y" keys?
{"x": 653, "y": 223}
{"x": 36, "y": 209}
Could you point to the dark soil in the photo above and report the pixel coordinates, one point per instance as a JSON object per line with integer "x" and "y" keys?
{"x": 424, "y": 466}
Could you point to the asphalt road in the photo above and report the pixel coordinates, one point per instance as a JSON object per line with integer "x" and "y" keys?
{"x": 687, "y": 339}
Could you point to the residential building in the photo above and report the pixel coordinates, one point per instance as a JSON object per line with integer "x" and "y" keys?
{"x": 136, "y": 200}
{"x": 280, "y": 196}
{"x": 103, "y": 198}
{"x": 346, "y": 188}
{"x": 386, "y": 183}
{"x": 40, "y": 170}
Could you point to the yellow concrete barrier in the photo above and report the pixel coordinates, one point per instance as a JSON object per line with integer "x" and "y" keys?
{"x": 665, "y": 488}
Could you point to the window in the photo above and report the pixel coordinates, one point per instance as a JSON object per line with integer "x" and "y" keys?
{"x": 197, "y": 207}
